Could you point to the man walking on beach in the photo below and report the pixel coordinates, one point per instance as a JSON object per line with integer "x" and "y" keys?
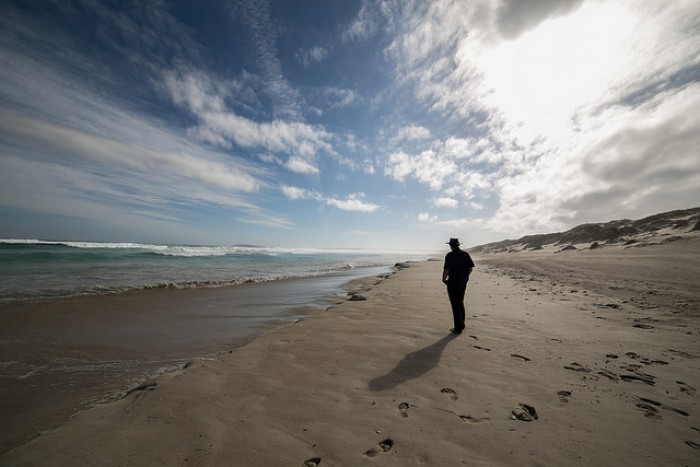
{"x": 455, "y": 274}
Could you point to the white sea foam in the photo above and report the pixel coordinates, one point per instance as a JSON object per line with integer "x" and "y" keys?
{"x": 82, "y": 244}
{"x": 207, "y": 250}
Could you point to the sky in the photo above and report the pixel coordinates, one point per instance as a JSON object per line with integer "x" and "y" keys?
{"x": 392, "y": 124}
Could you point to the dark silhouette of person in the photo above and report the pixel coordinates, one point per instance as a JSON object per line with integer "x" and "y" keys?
{"x": 455, "y": 274}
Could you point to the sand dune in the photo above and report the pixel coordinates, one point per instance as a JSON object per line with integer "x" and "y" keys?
{"x": 658, "y": 229}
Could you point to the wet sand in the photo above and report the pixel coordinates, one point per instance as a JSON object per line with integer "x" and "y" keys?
{"x": 573, "y": 358}
{"x": 59, "y": 357}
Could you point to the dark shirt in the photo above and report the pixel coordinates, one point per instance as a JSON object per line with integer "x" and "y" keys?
{"x": 458, "y": 263}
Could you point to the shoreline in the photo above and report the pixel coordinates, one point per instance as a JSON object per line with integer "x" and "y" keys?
{"x": 545, "y": 374}
{"x": 182, "y": 286}
{"x": 63, "y": 356}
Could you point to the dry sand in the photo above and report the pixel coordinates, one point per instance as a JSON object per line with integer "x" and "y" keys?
{"x": 580, "y": 358}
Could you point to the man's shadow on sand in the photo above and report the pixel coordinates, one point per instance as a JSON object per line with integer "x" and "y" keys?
{"x": 413, "y": 365}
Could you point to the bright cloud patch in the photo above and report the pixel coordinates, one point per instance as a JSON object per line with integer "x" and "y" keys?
{"x": 206, "y": 99}
{"x": 353, "y": 202}
{"x": 413, "y": 133}
{"x": 313, "y": 55}
{"x": 427, "y": 167}
{"x": 445, "y": 202}
{"x": 446, "y": 166}
{"x": 293, "y": 192}
{"x": 554, "y": 88}
{"x": 300, "y": 165}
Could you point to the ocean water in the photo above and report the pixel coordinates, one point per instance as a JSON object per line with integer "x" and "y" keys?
{"x": 36, "y": 269}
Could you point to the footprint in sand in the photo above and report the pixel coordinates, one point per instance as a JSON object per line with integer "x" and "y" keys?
{"x": 648, "y": 361}
{"x": 482, "y": 348}
{"x": 403, "y": 407}
{"x": 382, "y": 446}
{"x": 313, "y": 462}
{"x": 577, "y": 367}
{"x": 693, "y": 445}
{"x": 564, "y": 396}
{"x": 641, "y": 377}
{"x": 609, "y": 374}
{"x": 633, "y": 367}
{"x": 650, "y": 406}
{"x": 451, "y": 392}
{"x": 519, "y": 357}
{"x": 649, "y": 409}
{"x": 686, "y": 388}
{"x": 525, "y": 413}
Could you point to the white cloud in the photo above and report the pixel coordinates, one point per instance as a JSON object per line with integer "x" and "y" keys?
{"x": 82, "y": 146}
{"x": 351, "y": 141}
{"x": 425, "y": 32}
{"x": 427, "y": 167}
{"x": 445, "y": 202}
{"x": 635, "y": 159}
{"x": 471, "y": 149}
{"x": 339, "y": 98}
{"x": 114, "y": 198}
{"x": 313, "y": 55}
{"x": 460, "y": 223}
{"x": 293, "y": 192}
{"x": 412, "y": 133}
{"x": 254, "y": 18}
{"x": 470, "y": 184}
{"x": 426, "y": 217}
{"x": 197, "y": 93}
{"x": 274, "y": 221}
{"x": 86, "y": 153}
{"x": 400, "y": 165}
{"x": 583, "y": 109}
{"x": 300, "y": 165}
{"x": 270, "y": 158}
{"x": 363, "y": 26}
{"x": 513, "y": 17}
{"x": 353, "y": 202}
{"x": 445, "y": 166}
{"x": 550, "y": 75}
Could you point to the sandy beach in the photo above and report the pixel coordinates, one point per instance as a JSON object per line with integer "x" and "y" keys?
{"x": 572, "y": 358}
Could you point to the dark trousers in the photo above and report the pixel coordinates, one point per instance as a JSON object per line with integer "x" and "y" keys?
{"x": 456, "y": 294}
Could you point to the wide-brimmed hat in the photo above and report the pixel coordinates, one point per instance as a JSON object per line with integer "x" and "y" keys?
{"x": 454, "y": 241}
